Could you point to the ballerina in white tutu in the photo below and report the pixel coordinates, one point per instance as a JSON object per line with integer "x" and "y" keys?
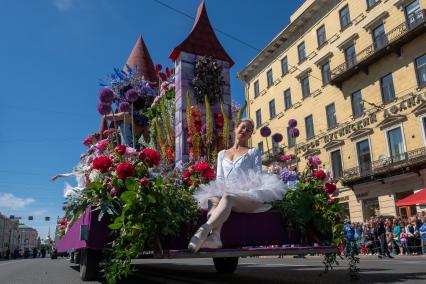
{"x": 240, "y": 186}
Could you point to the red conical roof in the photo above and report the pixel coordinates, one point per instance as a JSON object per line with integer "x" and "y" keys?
{"x": 140, "y": 57}
{"x": 202, "y": 40}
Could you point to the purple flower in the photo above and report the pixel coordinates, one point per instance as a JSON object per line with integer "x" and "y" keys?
{"x": 292, "y": 123}
{"x": 124, "y": 107}
{"x": 277, "y": 138}
{"x": 113, "y": 192}
{"x": 314, "y": 160}
{"x": 287, "y": 175}
{"x": 132, "y": 95}
{"x": 106, "y": 96}
{"x": 265, "y": 131}
{"x": 294, "y": 132}
{"x": 104, "y": 109}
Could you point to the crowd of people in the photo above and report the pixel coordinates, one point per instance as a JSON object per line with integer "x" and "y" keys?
{"x": 387, "y": 236}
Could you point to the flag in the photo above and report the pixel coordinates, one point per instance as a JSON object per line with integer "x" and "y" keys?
{"x": 30, "y": 218}
{"x": 46, "y": 218}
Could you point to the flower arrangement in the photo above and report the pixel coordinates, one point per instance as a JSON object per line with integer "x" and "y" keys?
{"x": 208, "y": 80}
{"x": 198, "y": 174}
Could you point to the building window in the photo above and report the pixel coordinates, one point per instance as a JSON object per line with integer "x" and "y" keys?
{"x": 345, "y": 18}
{"x": 371, "y": 3}
{"x": 258, "y": 118}
{"x": 287, "y": 99}
{"x": 269, "y": 78}
{"x": 350, "y": 56}
{"x": 325, "y": 73}
{"x": 413, "y": 13}
{"x": 284, "y": 66}
{"x": 421, "y": 70}
{"x": 321, "y": 36}
{"x": 275, "y": 148}
{"x": 370, "y": 208}
{"x": 336, "y": 164}
{"x": 388, "y": 91}
{"x": 379, "y": 37}
{"x": 364, "y": 157}
{"x": 302, "y": 52}
{"x": 272, "y": 113}
{"x": 396, "y": 144}
{"x": 256, "y": 89}
{"x": 331, "y": 116}
{"x": 291, "y": 141}
{"x": 304, "y": 82}
{"x": 260, "y": 147}
{"x": 357, "y": 105}
{"x": 424, "y": 128}
{"x": 309, "y": 125}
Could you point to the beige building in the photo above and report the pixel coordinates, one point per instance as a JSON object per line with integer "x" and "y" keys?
{"x": 9, "y": 236}
{"x": 28, "y": 237}
{"x": 353, "y": 74}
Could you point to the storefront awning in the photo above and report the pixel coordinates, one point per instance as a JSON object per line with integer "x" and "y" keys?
{"x": 416, "y": 198}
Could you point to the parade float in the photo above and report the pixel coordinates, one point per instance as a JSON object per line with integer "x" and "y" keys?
{"x": 160, "y": 134}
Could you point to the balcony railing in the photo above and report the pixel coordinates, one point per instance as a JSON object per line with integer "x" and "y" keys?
{"x": 385, "y": 167}
{"x": 363, "y": 58}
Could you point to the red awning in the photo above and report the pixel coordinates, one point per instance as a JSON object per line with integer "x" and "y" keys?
{"x": 416, "y": 198}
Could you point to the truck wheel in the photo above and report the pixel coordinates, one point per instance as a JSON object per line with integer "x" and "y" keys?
{"x": 77, "y": 257}
{"x": 225, "y": 264}
{"x": 53, "y": 255}
{"x": 89, "y": 264}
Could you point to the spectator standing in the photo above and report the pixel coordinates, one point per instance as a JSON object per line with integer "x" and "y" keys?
{"x": 396, "y": 237}
{"x": 380, "y": 232}
{"x": 404, "y": 241}
{"x": 412, "y": 232}
{"x": 422, "y": 231}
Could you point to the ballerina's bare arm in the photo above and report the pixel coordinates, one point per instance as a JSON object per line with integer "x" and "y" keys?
{"x": 219, "y": 169}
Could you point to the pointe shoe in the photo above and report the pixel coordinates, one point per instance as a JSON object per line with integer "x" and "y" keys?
{"x": 213, "y": 241}
{"x": 199, "y": 237}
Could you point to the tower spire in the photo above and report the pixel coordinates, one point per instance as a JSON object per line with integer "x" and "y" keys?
{"x": 140, "y": 58}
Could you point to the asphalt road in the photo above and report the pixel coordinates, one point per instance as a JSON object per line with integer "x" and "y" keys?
{"x": 250, "y": 270}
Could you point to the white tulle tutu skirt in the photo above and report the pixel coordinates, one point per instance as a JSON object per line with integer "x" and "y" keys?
{"x": 257, "y": 186}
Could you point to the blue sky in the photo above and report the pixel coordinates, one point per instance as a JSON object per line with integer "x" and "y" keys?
{"x": 52, "y": 55}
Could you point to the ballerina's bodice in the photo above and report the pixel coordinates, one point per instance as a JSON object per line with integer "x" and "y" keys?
{"x": 228, "y": 170}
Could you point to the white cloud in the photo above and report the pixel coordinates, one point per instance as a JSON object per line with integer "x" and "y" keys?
{"x": 38, "y": 212}
{"x": 9, "y": 201}
{"x": 62, "y": 5}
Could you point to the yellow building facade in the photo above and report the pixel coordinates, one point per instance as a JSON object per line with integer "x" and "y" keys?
{"x": 353, "y": 74}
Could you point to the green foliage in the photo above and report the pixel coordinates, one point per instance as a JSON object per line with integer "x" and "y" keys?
{"x": 147, "y": 214}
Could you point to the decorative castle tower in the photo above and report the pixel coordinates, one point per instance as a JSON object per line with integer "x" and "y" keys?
{"x": 202, "y": 41}
{"x": 139, "y": 58}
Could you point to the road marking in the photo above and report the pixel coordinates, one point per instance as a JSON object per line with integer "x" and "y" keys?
{"x": 10, "y": 262}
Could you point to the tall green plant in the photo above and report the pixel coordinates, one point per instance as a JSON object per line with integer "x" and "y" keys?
{"x": 225, "y": 127}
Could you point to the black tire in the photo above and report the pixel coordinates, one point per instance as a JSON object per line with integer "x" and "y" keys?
{"x": 225, "y": 264}
{"x": 53, "y": 255}
{"x": 89, "y": 264}
{"x": 77, "y": 257}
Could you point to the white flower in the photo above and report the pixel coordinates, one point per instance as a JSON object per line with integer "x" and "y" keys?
{"x": 95, "y": 176}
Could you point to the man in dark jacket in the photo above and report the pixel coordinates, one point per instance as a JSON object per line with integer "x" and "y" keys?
{"x": 380, "y": 232}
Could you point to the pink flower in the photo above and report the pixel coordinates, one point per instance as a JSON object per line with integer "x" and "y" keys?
{"x": 331, "y": 201}
{"x": 102, "y": 145}
{"x": 113, "y": 192}
{"x": 201, "y": 166}
{"x": 120, "y": 149}
{"x": 144, "y": 182}
{"x": 88, "y": 140}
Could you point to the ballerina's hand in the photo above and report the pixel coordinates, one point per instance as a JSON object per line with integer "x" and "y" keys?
{"x": 54, "y": 178}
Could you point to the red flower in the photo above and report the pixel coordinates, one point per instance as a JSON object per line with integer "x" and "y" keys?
{"x": 208, "y": 174}
{"x": 88, "y": 140}
{"x": 125, "y": 170}
{"x": 329, "y": 188}
{"x": 144, "y": 181}
{"x": 102, "y": 164}
{"x": 163, "y": 76}
{"x": 168, "y": 72}
{"x": 320, "y": 174}
{"x": 201, "y": 166}
{"x": 186, "y": 175}
{"x": 120, "y": 149}
{"x": 63, "y": 221}
{"x": 331, "y": 201}
{"x": 150, "y": 156}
